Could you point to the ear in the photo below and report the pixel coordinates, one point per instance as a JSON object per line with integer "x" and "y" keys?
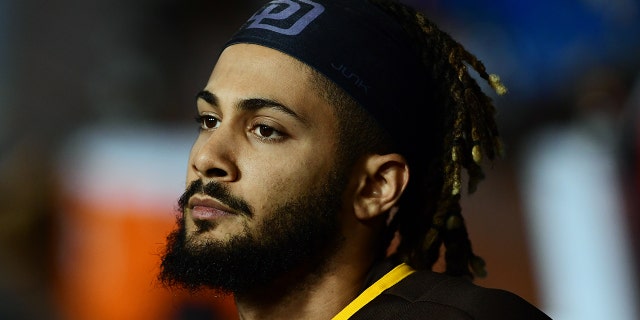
{"x": 381, "y": 181}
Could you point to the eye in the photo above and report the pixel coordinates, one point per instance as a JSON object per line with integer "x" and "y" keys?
{"x": 267, "y": 133}
{"x": 207, "y": 122}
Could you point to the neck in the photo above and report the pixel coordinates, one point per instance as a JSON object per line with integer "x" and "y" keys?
{"x": 312, "y": 293}
{"x": 301, "y": 295}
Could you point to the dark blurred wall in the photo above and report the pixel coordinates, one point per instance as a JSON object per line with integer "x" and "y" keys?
{"x": 72, "y": 64}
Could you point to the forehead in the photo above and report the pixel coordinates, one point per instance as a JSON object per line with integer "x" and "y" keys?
{"x": 247, "y": 71}
{"x": 252, "y": 71}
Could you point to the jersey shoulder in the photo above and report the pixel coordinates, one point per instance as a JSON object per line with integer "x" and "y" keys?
{"x": 430, "y": 295}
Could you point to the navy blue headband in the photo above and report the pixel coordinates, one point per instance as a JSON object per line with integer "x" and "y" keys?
{"x": 354, "y": 44}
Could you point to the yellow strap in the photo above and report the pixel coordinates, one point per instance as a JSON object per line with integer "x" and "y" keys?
{"x": 387, "y": 281}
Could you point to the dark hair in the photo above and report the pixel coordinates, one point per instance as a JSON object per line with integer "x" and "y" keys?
{"x": 358, "y": 132}
{"x": 430, "y": 213}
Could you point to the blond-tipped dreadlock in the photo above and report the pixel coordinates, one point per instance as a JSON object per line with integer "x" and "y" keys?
{"x": 430, "y": 212}
{"x": 470, "y": 134}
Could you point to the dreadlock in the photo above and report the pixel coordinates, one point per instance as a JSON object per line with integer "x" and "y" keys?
{"x": 430, "y": 213}
{"x": 469, "y": 133}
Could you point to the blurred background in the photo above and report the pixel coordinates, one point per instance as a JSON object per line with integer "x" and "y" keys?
{"x": 96, "y": 102}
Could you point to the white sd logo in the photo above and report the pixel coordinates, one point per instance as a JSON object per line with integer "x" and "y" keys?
{"x": 286, "y": 17}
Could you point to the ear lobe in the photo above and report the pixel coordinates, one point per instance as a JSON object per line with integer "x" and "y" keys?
{"x": 383, "y": 179}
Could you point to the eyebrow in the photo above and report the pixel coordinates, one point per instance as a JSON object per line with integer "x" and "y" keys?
{"x": 253, "y": 104}
{"x": 208, "y": 97}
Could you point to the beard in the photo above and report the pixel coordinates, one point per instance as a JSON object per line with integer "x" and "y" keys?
{"x": 300, "y": 233}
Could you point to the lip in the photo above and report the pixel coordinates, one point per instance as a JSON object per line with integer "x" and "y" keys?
{"x": 206, "y": 208}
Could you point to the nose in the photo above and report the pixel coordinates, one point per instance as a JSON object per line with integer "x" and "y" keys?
{"x": 213, "y": 156}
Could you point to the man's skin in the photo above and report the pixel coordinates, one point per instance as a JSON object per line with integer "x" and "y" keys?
{"x": 266, "y": 135}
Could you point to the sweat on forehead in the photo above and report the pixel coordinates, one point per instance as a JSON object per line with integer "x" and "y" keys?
{"x": 351, "y": 42}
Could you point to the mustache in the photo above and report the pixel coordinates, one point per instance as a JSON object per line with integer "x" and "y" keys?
{"x": 217, "y": 191}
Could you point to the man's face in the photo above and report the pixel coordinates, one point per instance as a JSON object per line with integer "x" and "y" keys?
{"x": 262, "y": 152}
{"x": 265, "y": 187}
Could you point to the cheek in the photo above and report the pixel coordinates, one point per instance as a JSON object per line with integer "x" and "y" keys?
{"x": 284, "y": 177}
